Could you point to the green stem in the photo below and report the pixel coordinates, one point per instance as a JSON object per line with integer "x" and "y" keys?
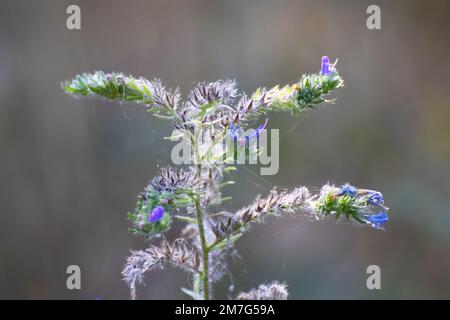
{"x": 201, "y": 229}
{"x": 205, "y": 251}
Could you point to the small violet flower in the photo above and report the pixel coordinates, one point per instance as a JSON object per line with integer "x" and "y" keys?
{"x": 327, "y": 67}
{"x": 156, "y": 214}
{"x": 375, "y": 198}
{"x": 377, "y": 220}
{"x": 236, "y": 133}
{"x": 349, "y": 190}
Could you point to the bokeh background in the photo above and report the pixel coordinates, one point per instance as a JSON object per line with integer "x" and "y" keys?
{"x": 71, "y": 169}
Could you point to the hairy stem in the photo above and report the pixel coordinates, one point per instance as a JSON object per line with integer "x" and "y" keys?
{"x": 205, "y": 251}
{"x": 201, "y": 229}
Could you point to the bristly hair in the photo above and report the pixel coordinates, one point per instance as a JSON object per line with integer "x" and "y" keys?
{"x": 275, "y": 203}
{"x": 345, "y": 203}
{"x": 222, "y": 91}
{"x": 169, "y": 179}
{"x": 179, "y": 254}
{"x": 118, "y": 86}
{"x": 271, "y": 291}
{"x": 162, "y": 97}
{"x": 211, "y": 113}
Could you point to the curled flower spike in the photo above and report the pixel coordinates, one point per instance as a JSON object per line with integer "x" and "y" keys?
{"x": 156, "y": 214}
{"x": 359, "y": 205}
{"x": 118, "y": 86}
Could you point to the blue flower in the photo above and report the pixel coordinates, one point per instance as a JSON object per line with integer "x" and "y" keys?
{"x": 234, "y": 131}
{"x": 156, "y": 214}
{"x": 237, "y": 133}
{"x": 349, "y": 190}
{"x": 257, "y": 131}
{"x": 326, "y": 68}
{"x": 375, "y": 198}
{"x": 377, "y": 220}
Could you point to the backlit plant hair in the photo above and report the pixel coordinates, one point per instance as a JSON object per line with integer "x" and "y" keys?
{"x": 190, "y": 195}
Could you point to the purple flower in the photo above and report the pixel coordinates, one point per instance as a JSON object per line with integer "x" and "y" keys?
{"x": 236, "y": 133}
{"x": 375, "y": 198}
{"x": 377, "y": 220}
{"x": 156, "y": 214}
{"x": 257, "y": 131}
{"x": 349, "y": 190}
{"x": 326, "y": 68}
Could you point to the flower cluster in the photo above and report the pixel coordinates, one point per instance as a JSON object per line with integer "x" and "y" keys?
{"x": 209, "y": 105}
{"x": 168, "y": 191}
{"x": 346, "y": 203}
{"x": 313, "y": 89}
{"x": 170, "y": 180}
{"x": 117, "y": 86}
{"x": 359, "y": 205}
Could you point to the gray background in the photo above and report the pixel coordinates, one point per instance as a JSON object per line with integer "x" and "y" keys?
{"x": 71, "y": 169}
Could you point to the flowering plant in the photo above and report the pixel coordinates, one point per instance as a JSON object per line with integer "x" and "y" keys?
{"x": 213, "y": 112}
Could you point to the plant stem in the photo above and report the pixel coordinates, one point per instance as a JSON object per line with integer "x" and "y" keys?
{"x": 199, "y": 214}
{"x": 205, "y": 251}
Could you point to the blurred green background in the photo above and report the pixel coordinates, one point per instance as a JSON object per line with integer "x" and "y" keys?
{"x": 71, "y": 169}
